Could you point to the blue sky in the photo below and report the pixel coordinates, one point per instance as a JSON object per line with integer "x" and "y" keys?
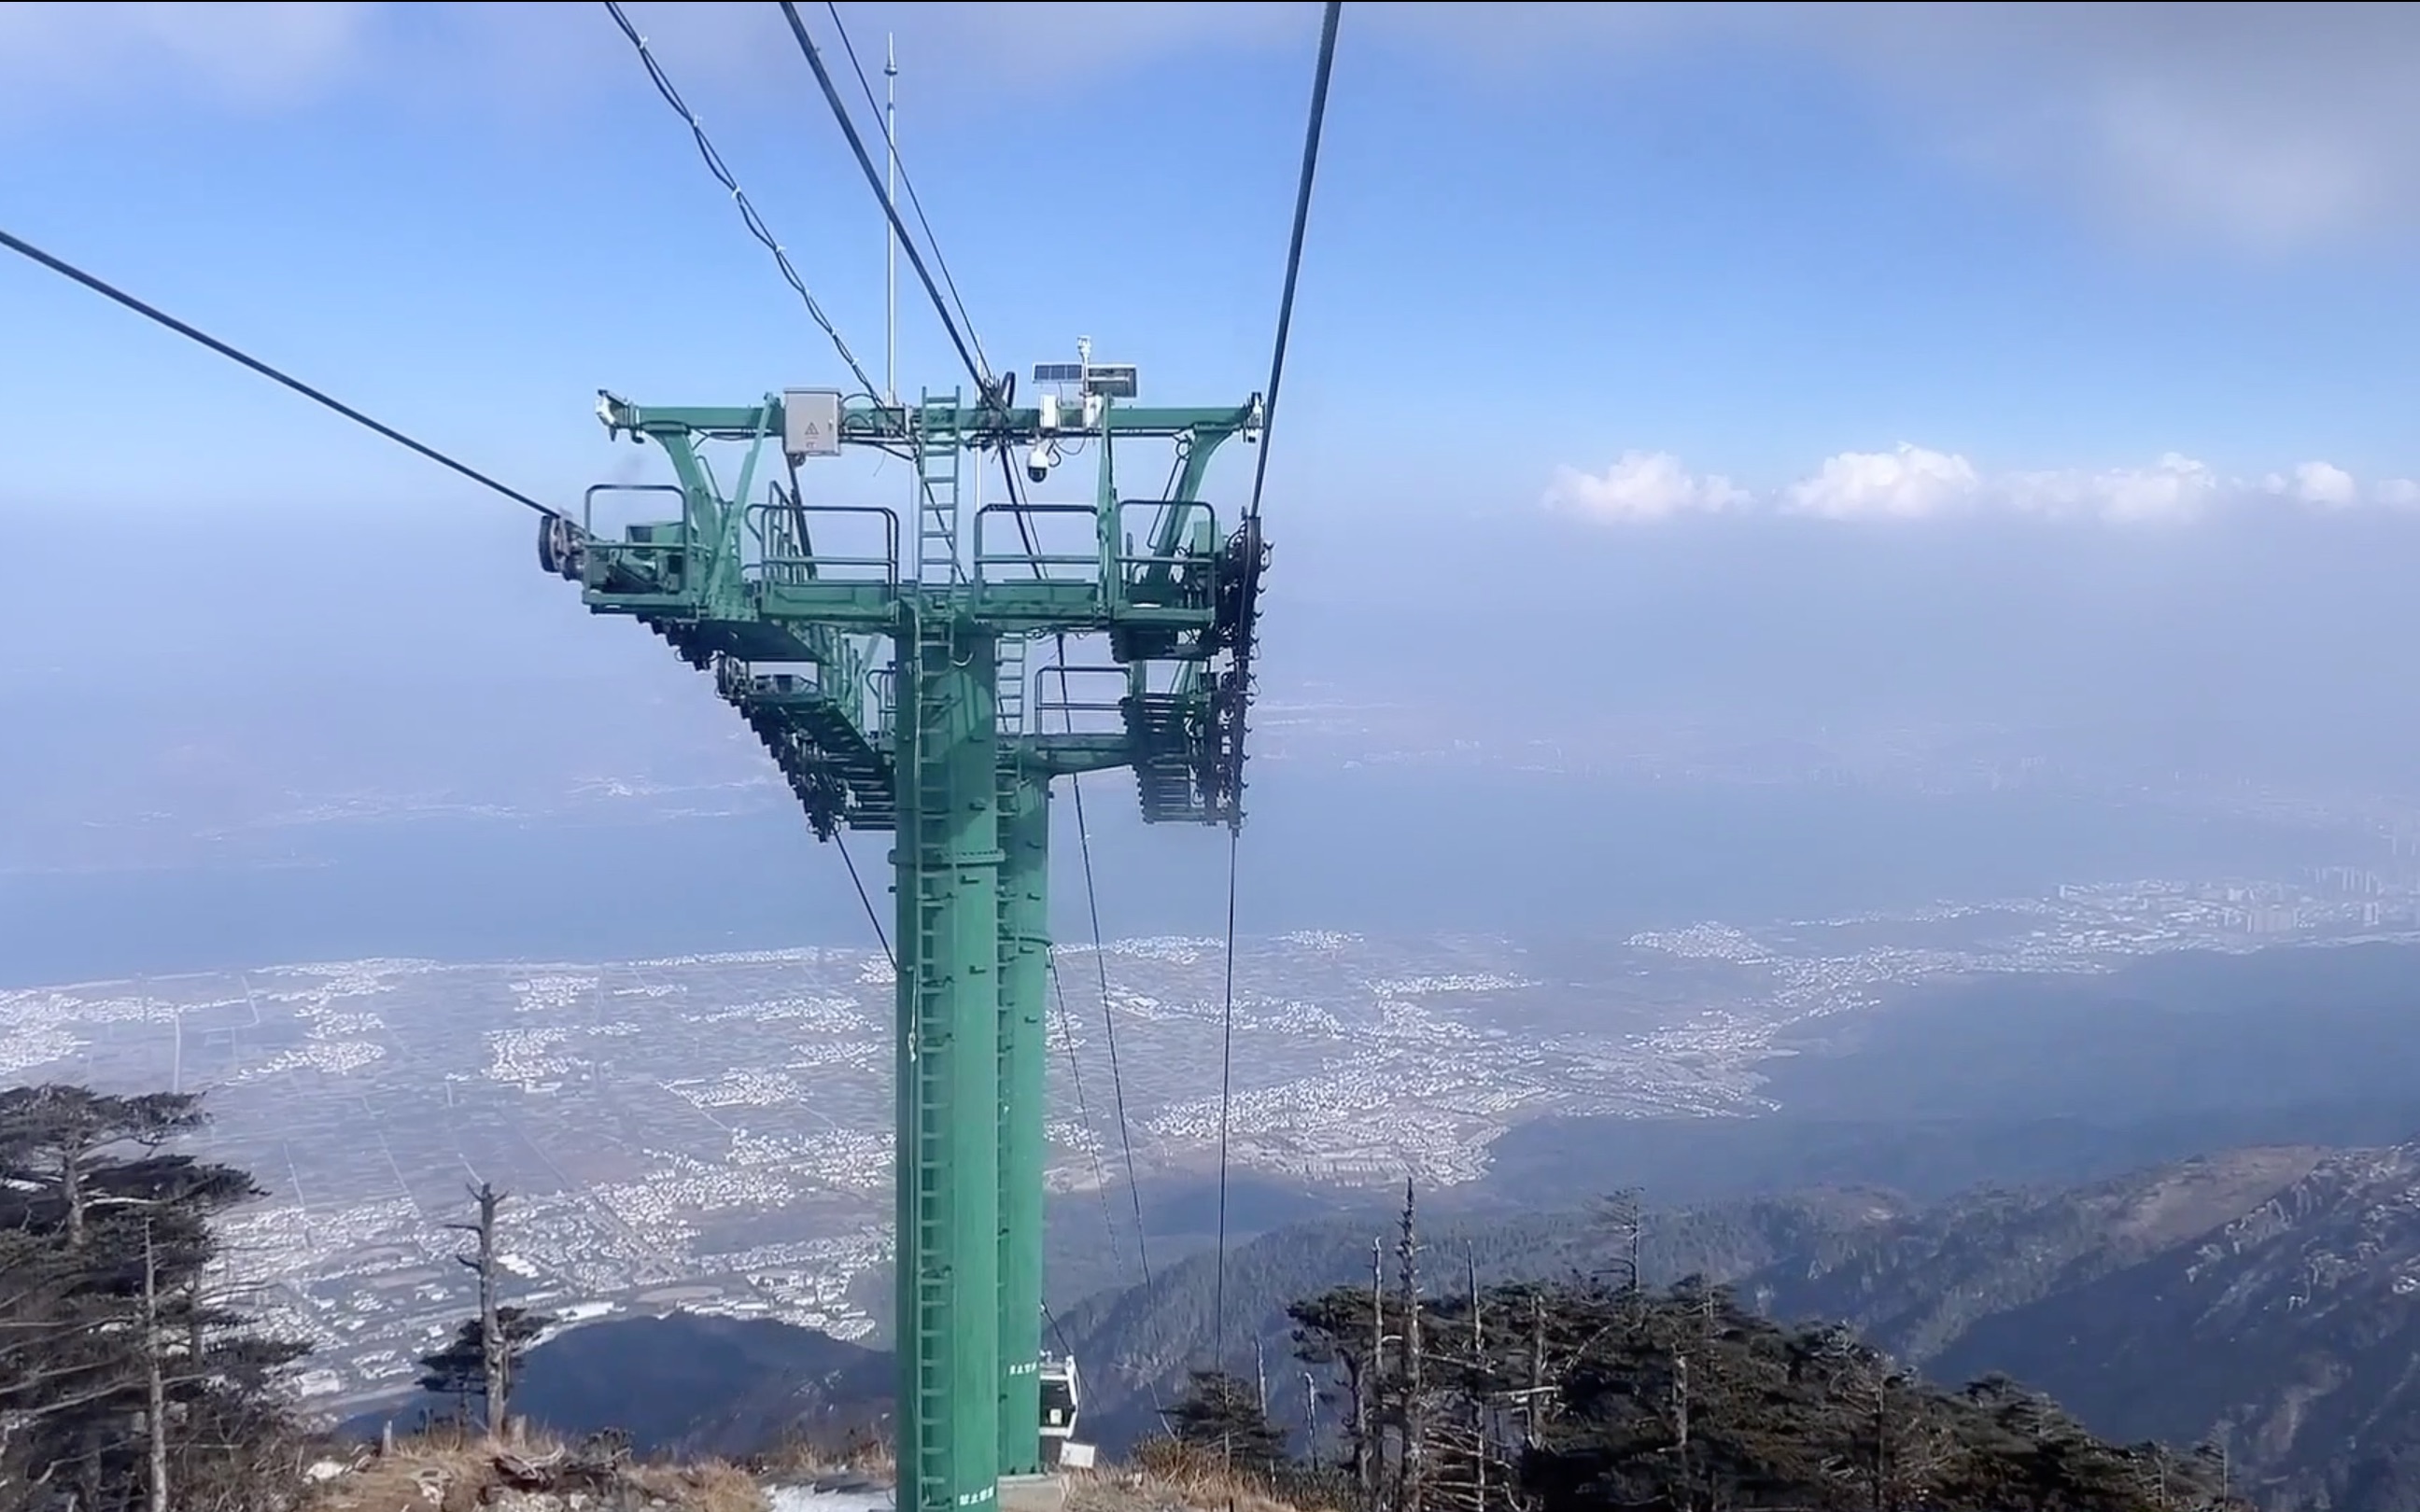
{"x": 1846, "y": 260}
{"x": 1958, "y": 361}
{"x": 2038, "y": 367}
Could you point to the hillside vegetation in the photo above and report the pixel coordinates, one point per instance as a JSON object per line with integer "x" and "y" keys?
{"x": 130, "y": 1377}
{"x": 2261, "y": 1300}
{"x": 2242, "y": 1324}
{"x": 1586, "y": 1395}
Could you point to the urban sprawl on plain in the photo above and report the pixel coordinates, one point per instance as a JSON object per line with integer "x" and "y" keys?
{"x": 712, "y": 1132}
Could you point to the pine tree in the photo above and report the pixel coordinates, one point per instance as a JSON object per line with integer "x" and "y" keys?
{"x": 1680, "y": 1398}
{"x": 459, "y": 1370}
{"x": 125, "y": 1379}
{"x": 1223, "y": 1416}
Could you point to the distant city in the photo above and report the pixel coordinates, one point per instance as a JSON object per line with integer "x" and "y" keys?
{"x": 712, "y": 1132}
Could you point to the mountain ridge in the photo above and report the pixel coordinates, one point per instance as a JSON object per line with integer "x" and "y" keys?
{"x": 2266, "y": 1298}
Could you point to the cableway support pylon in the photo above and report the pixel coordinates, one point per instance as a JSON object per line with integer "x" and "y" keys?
{"x": 940, "y": 739}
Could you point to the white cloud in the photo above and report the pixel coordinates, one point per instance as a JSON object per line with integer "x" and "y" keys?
{"x": 2325, "y": 484}
{"x": 2174, "y": 488}
{"x": 2267, "y": 124}
{"x": 62, "y": 58}
{"x": 1913, "y": 483}
{"x": 1643, "y": 486}
{"x": 2178, "y": 488}
{"x": 248, "y": 55}
{"x": 1907, "y": 483}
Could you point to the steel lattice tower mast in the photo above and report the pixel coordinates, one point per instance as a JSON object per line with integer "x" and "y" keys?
{"x": 891, "y": 686}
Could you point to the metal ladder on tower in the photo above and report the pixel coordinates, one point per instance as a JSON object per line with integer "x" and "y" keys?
{"x": 1009, "y": 684}
{"x": 930, "y": 1060}
{"x": 938, "y": 457}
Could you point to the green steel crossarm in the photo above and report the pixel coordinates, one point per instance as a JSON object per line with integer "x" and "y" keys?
{"x": 722, "y": 615}
{"x": 713, "y": 521}
{"x": 877, "y": 424}
{"x": 715, "y": 595}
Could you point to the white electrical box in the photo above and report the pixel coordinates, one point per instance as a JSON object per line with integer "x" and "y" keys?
{"x": 811, "y": 421}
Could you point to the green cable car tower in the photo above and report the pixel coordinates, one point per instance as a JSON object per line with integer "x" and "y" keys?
{"x": 882, "y": 657}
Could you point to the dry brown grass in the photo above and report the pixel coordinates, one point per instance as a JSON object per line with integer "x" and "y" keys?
{"x": 801, "y": 1459}
{"x": 1168, "y": 1476}
{"x": 446, "y": 1470}
{"x": 711, "y": 1486}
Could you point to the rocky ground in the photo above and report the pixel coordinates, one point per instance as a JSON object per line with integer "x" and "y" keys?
{"x": 446, "y": 1474}
{"x": 440, "y": 1474}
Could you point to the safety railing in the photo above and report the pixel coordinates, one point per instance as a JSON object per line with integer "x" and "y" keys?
{"x": 641, "y": 558}
{"x": 780, "y": 538}
{"x": 1028, "y": 557}
{"x": 1092, "y": 714}
{"x": 1183, "y": 578}
{"x": 679, "y": 541}
{"x": 1183, "y": 575}
{"x": 882, "y": 688}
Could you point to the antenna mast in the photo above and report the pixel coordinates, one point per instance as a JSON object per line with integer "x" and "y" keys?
{"x": 890, "y": 222}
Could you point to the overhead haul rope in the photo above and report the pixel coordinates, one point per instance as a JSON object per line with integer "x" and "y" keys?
{"x": 1100, "y": 963}
{"x": 62, "y": 267}
{"x": 1100, "y": 953}
{"x": 746, "y": 212}
{"x": 66, "y": 269}
{"x": 874, "y": 177}
{"x": 915, "y": 201}
{"x": 993, "y": 391}
{"x": 1083, "y": 1109}
{"x": 1252, "y": 513}
{"x": 757, "y": 228}
{"x": 862, "y": 896}
{"x": 960, "y": 329}
{"x": 1110, "y": 1029}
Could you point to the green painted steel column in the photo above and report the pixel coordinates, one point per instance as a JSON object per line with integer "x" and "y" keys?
{"x": 948, "y": 1171}
{"x": 1024, "y": 981}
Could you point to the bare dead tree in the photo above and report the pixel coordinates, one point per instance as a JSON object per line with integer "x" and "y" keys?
{"x": 1459, "y": 1443}
{"x": 1477, "y": 1401}
{"x": 1617, "y": 1216}
{"x": 155, "y": 1382}
{"x": 1881, "y": 1441}
{"x": 495, "y": 1356}
{"x": 1909, "y": 1454}
{"x": 1534, "y": 1400}
{"x": 1681, "y": 1425}
{"x": 1369, "y": 1405}
{"x": 1410, "y": 1469}
{"x": 1311, "y": 1419}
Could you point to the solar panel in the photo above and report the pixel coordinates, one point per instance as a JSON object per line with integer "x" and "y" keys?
{"x": 1058, "y": 372}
